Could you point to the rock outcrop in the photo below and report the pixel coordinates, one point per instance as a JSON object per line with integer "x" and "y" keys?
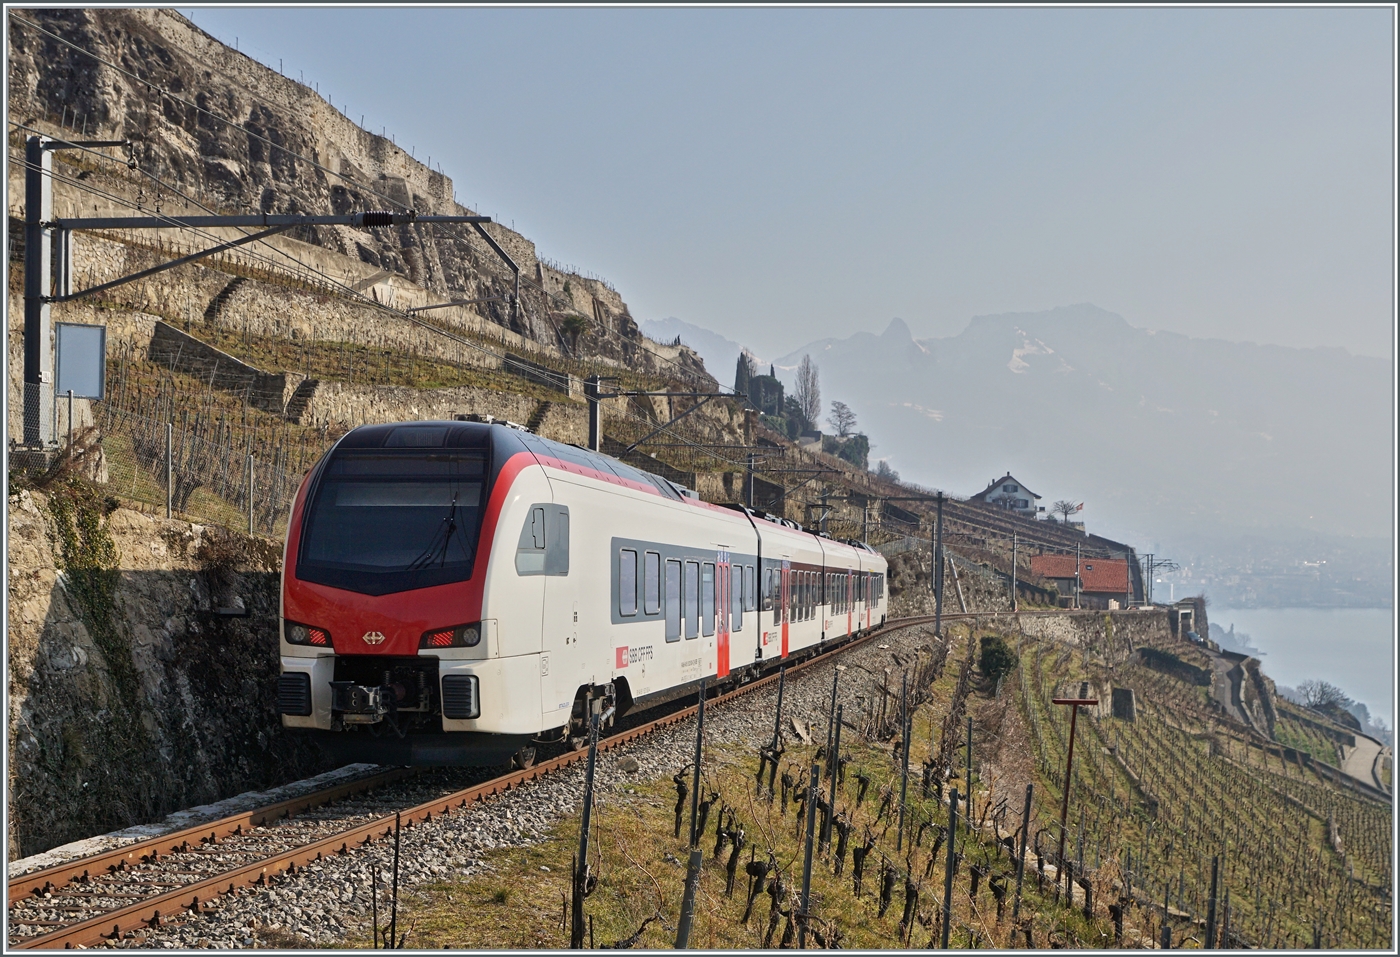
{"x": 213, "y": 124}
{"x": 130, "y": 696}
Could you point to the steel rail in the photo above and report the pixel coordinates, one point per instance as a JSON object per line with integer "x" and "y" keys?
{"x": 51, "y": 879}
{"x": 153, "y": 911}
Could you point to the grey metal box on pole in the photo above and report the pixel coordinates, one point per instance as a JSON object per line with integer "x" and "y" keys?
{"x": 81, "y": 351}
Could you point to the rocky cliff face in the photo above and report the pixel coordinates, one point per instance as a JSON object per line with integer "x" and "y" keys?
{"x": 129, "y": 696}
{"x": 236, "y": 136}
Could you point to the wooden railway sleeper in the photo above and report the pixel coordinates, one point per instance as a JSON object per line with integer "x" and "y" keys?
{"x": 479, "y": 794}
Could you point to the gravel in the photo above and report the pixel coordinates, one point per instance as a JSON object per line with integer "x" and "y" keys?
{"x": 328, "y": 902}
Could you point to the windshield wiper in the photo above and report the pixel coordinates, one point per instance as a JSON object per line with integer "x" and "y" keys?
{"x": 436, "y": 551}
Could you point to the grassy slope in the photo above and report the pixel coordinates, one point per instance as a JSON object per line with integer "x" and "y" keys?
{"x": 1211, "y": 790}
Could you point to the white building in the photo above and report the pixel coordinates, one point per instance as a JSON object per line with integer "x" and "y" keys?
{"x": 1009, "y": 493}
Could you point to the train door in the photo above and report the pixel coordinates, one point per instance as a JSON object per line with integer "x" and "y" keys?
{"x": 562, "y": 663}
{"x": 850, "y": 605}
{"x": 724, "y": 584}
{"x": 869, "y": 616}
{"x": 786, "y": 587}
{"x": 566, "y": 663}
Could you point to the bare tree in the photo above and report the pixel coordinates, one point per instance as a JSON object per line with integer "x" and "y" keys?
{"x": 1064, "y": 508}
{"x": 1322, "y": 694}
{"x": 883, "y": 470}
{"x": 807, "y": 391}
{"x": 842, "y": 419}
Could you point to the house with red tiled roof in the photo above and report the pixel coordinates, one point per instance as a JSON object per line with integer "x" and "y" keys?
{"x": 1103, "y": 582}
{"x": 1010, "y": 493}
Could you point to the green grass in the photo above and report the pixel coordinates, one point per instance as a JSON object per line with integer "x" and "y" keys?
{"x": 640, "y": 865}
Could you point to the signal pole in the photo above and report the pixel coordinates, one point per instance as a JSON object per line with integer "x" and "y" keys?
{"x": 1074, "y": 704}
{"x": 938, "y": 572}
{"x": 1076, "y": 575}
{"x": 1014, "y": 608}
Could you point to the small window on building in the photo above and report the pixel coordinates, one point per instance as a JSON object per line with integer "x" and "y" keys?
{"x": 627, "y": 582}
{"x": 651, "y": 586}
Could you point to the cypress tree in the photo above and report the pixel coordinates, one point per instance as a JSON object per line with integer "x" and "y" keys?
{"x": 742, "y": 373}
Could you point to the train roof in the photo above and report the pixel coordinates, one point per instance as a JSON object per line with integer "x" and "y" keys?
{"x": 476, "y": 432}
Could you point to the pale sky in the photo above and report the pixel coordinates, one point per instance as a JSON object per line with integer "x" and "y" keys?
{"x": 780, "y": 175}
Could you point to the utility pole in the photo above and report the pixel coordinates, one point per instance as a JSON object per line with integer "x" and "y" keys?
{"x": 1076, "y": 576}
{"x": 38, "y": 256}
{"x": 938, "y": 572}
{"x": 748, "y": 483}
{"x": 1014, "y": 543}
{"x": 38, "y": 283}
{"x": 692, "y": 873}
{"x": 40, "y": 293}
{"x": 591, "y": 392}
{"x": 1074, "y": 704}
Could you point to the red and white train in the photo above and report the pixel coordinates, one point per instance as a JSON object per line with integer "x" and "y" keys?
{"x": 458, "y": 592}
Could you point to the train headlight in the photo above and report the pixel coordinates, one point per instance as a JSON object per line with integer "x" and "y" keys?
{"x": 462, "y": 636}
{"x": 298, "y": 634}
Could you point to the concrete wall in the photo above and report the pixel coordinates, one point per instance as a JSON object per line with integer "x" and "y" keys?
{"x": 343, "y": 404}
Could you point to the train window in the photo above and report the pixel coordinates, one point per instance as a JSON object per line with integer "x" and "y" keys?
{"x": 673, "y": 600}
{"x": 794, "y": 589}
{"x": 390, "y": 520}
{"x": 627, "y": 582}
{"x": 651, "y": 583}
{"x": 775, "y": 594}
{"x": 749, "y": 595}
{"x": 736, "y": 598}
{"x": 691, "y": 586}
{"x": 707, "y": 599}
{"x": 543, "y": 548}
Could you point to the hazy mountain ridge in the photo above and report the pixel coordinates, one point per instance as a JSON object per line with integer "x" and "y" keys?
{"x": 1158, "y": 432}
{"x": 721, "y": 355}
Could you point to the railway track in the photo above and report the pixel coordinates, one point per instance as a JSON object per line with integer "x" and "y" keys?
{"x": 111, "y": 895}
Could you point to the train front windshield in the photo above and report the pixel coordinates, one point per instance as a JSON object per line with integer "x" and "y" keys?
{"x": 388, "y": 521}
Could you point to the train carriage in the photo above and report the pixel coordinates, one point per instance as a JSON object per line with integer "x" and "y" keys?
{"x": 460, "y": 592}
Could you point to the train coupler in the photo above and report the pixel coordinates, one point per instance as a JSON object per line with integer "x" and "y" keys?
{"x": 359, "y": 704}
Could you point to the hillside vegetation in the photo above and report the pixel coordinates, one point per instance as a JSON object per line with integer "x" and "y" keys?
{"x": 1153, "y": 803}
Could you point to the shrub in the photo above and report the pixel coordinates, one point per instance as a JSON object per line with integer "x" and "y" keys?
{"x": 997, "y": 659}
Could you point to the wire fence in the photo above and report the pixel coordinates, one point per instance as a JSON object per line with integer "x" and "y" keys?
{"x": 203, "y": 469}
{"x": 204, "y": 456}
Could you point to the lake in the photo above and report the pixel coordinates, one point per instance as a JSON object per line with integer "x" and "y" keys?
{"x": 1353, "y": 648}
